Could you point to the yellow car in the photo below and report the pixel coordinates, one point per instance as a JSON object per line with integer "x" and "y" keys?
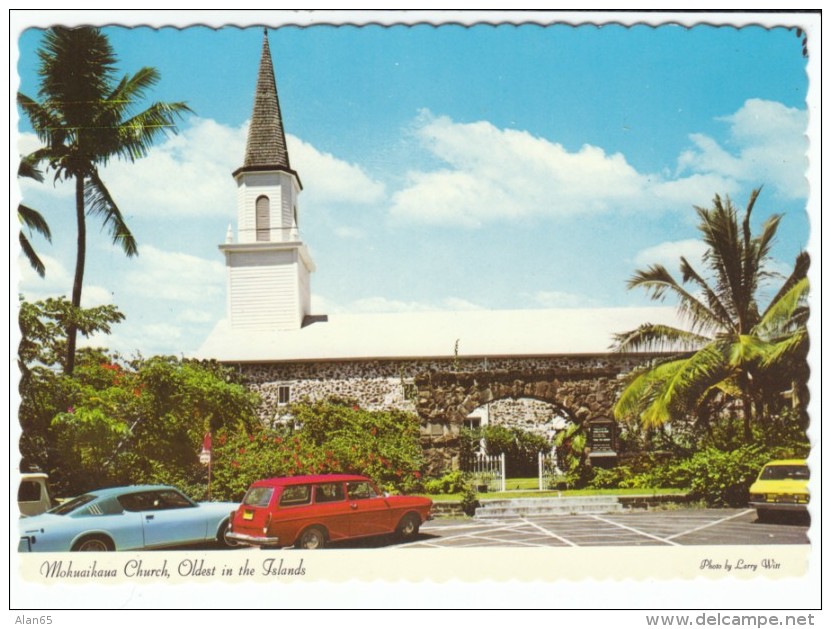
{"x": 781, "y": 486}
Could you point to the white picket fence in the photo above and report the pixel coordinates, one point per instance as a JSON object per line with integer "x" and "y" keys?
{"x": 488, "y": 471}
{"x": 548, "y": 469}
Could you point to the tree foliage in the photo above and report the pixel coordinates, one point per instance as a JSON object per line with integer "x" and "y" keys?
{"x": 733, "y": 350}
{"x": 324, "y": 437}
{"x": 86, "y": 116}
{"x": 117, "y": 421}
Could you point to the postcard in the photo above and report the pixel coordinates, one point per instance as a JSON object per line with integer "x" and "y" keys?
{"x": 415, "y": 309}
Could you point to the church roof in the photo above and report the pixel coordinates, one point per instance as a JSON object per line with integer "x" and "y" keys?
{"x": 410, "y": 335}
{"x": 266, "y": 145}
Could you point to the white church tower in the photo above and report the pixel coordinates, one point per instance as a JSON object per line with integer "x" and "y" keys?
{"x": 268, "y": 267}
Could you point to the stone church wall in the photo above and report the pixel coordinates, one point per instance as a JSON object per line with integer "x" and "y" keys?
{"x": 539, "y": 394}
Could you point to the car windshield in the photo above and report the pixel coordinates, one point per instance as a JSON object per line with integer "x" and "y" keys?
{"x": 785, "y": 472}
{"x": 71, "y": 505}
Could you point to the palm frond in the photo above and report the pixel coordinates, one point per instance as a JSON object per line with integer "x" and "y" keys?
{"x": 97, "y": 199}
{"x": 28, "y": 168}
{"x": 658, "y": 282}
{"x": 136, "y": 135}
{"x": 689, "y": 274}
{"x": 745, "y": 349}
{"x": 29, "y": 251}
{"x": 800, "y": 272}
{"x": 642, "y": 389}
{"x": 657, "y": 337}
{"x": 786, "y": 313}
{"x": 780, "y": 353}
{"x": 34, "y": 221}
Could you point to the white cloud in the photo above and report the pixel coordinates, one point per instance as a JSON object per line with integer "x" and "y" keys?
{"x": 185, "y": 175}
{"x": 770, "y": 141}
{"x": 189, "y": 174}
{"x": 497, "y": 174}
{"x": 560, "y": 299}
{"x": 331, "y": 180}
{"x": 56, "y": 283}
{"x": 351, "y": 233}
{"x": 175, "y": 276}
{"x": 669, "y": 253}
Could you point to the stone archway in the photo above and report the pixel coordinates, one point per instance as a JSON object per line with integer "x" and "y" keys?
{"x": 445, "y": 400}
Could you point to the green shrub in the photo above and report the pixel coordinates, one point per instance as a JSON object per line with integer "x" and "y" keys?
{"x": 454, "y": 482}
{"x": 610, "y": 478}
{"x": 469, "y": 500}
{"x": 719, "y": 478}
{"x": 331, "y": 438}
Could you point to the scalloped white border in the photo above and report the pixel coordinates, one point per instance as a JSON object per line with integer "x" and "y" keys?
{"x": 382, "y": 592}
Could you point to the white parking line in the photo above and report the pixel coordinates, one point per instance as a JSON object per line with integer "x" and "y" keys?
{"x": 549, "y": 533}
{"x": 487, "y": 529}
{"x": 708, "y": 525}
{"x": 504, "y": 542}
{"x": 634, "y": 530}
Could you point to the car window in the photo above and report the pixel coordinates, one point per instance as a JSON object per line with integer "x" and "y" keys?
{"x": 140, "y": 501}
{"x": 258, "y": 496}
{"x": 71, "y": 505}
{"x": 296, "y": 495}
{"x": 360, "y": 490}
{"x": 106, "y": 506}
{"x": 29, "y": 491}
{"x": 785, "y": 472}
{"x": 330, "y": 492}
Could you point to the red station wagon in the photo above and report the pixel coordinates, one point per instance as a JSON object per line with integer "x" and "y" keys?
{"x": 310, "y": 511}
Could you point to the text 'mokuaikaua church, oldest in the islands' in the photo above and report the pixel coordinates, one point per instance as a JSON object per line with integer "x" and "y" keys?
{"x": 534, "y": 369}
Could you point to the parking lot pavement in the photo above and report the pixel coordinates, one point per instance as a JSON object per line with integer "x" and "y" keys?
{"x": 685, "y": 527}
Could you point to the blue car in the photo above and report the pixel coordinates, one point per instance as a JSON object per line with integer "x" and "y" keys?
{"x": 126, "y": 518}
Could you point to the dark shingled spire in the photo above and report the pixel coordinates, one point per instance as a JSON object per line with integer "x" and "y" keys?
{"x": 266, "y": 146}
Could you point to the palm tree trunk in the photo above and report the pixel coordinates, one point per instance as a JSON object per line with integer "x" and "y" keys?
{"x": 78, "y": 283}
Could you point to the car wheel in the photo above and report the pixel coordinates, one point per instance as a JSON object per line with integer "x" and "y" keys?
{"x": 221, "y": 538}
{"x": 408, "y": 527}
{"x": 312, "y": 538}
{"x": 95, "y": 544}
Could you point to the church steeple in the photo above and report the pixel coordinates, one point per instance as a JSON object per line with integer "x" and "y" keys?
{"x": 266, "y": 147}
{"x": 268, "y": 265}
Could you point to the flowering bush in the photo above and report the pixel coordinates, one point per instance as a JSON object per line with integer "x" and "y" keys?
{"x": 332, "y": 437}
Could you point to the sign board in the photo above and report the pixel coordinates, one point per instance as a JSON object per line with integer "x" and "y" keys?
{"x": 602, "y": 441}
{"x": 205, "y": 457}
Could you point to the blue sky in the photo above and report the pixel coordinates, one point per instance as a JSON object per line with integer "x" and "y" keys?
{"x": 496, "y": 167}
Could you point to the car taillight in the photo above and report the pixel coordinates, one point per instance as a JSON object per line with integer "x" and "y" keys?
{"x": 267, "y": 522}
{"x": 231, "y": 520}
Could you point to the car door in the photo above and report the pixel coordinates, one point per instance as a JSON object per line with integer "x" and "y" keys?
{"x": 169, "y": 518}
{"x": 369, "y": 511}
{"x": 332, "y": 509}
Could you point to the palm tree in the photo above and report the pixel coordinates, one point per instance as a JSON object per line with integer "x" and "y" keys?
{"x": 730, "y": 346}
{"x": 85, "y": 118}
{"x": 32, "y": 219}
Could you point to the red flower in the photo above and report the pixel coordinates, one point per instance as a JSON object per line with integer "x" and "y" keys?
{"x": 242, "y": 450}
{"x": 250, "y": 437}
{"x": 417, "y": 474}
{"x": 278, "y": 440}
{"x": 234, "y": 464}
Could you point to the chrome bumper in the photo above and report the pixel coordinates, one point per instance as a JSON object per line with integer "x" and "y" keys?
{"x": 252, "y": 540}
{"x": 779, "y": 506}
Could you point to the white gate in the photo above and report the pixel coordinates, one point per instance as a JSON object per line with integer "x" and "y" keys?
{"x": 488, "y": 472}
{"x": 548, "y": 469}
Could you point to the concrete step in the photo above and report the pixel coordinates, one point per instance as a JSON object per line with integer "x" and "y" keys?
{"x": 528, "y": 507}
